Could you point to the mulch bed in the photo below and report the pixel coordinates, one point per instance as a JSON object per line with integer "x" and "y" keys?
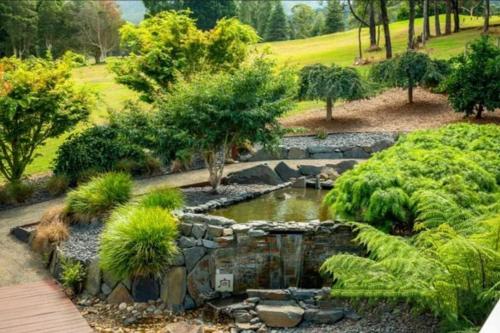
{"x": 387, "y": 112}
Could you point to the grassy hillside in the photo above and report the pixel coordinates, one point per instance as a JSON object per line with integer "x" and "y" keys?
{"x": 340, "y": 48}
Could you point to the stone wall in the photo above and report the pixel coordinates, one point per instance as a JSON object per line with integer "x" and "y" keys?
{"x": 220, "y": 258}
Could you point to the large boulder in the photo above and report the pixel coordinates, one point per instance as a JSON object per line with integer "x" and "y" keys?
{"x": 198, "y": 282}
{"x": 192, "y": 255}
{"x": 285, "y": 172}
{"x": 259, "y": 174}
{"x": 310, "y": 170}
{"x": 280, "y": 314}
{"x": 120, "y": 295}
{"x": 173, "y": 288}
{"x": 343, "y": 166}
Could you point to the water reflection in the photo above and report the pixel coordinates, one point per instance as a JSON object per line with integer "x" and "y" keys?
{"x": 289, "y": 204}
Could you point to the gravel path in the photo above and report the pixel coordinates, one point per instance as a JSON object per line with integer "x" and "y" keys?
{"x": 338, "y": 140}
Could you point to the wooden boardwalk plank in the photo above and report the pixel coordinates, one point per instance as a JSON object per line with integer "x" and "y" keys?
{"x": 39, "y": 307}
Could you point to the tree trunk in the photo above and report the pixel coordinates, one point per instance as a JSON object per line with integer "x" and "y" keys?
{"x": 329, "y": 108}
{"x": 378, "y": 35}
{"x": 447, "y": 25}
{"x": 387, "y": 32}
{"x": 436, "y": 18}
{"x": 456, "y": 16}
{"x": 97, "y": 56}
{"x": 360, "y": 47}
{"x": 479, "y": 112}
{"x": 425, "y": 29}
{"x": 410, "y": 93}
{"x": 411, "y": 25}
{"x": 373, "y": 28}
{"x": 486, "y": 26}
{"x": 215, "y": 164}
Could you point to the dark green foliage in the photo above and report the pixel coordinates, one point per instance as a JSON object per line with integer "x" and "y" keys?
{"x": 450, "y": 271}
{"x": 138, "y": 241}
{"x": 99, "y": 196}
{"x": 134, "y": 123}
{"x": 426, "y": 179}
{"x": 73, "y": 273}
{"x": 474, "y": 85}
{"x": 334, "y": 21}
{"x": 331, "y": 84}
{"x": 409, "y": 70}
{"x": 98, "y": 148}
{"x": 277, "y": 26}
{"x": 212, "y": 113}
{"x": 256, "y": 14}
{"x": 166, "y": 198}
{"x": 206, "y": 12}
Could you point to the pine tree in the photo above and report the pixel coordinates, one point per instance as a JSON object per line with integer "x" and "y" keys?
{"x": 334, "y": 17}
{"x": 277, "y": 26}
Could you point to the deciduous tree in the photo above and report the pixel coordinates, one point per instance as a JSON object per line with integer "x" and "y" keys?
{"x": 38, "y": 101}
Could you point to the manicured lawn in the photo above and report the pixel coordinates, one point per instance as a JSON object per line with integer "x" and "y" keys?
{"x": 340, "y": 48}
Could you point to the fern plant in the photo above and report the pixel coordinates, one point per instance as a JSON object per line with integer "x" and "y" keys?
{"x": 454, "y": 274}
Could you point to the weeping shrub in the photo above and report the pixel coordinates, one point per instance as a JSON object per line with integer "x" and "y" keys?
{"x": 99, "y": 195}
{"x": 166, "y": 198}
{"x": 428, "y": 178}
{"x": 448, "y": 270}
{"x": 138, "y": 242}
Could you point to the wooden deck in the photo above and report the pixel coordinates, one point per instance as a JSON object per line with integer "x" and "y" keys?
{"x": 40, "y": 307}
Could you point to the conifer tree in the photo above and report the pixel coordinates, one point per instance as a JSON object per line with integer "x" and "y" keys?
{"x": 277, "y": 26}
{"x": 334, "y": 17}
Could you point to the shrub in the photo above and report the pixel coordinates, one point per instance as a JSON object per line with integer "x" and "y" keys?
{"x": 17, "y": 191}
{"x": 57, "y": 213}
{"x": 99, "y": 196}
{"x": 474, "y": 85}
{"x": 166, "y": 198}
{"x": 138, "y": 241}
{"x": 321, "y": 133}
{"x": 73, "y": 274}
{"x": 428, "y": 178}
{"x": 57, "y": 184}
{"x": 49, "y": 234}
{"x": 98, "y": 149}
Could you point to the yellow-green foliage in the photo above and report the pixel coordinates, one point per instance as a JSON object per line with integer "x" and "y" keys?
{"x": 428, "y": 178}
{"x": 444, "y": 269}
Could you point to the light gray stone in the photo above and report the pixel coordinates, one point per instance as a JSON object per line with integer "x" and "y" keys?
{"x": 186, "y": 229}
{"x": 280, "y": 315}
{"x": 241, "y": 316}
{"x": 93, "y": 280}
{"x": 192, "y": 255}
{"x": 215, "y": 231}
{"x": 257, "y": 233}
{"x": 329, "y": 316}
{"x": 173, "y": 288}
{"x": 270, "y": 294}
{"x": 210, "y": 244}
{"x": 295, "y": 153}
{"x": 199, "y": 230}
{"x": 185, "y": 242}
{"x": 105, "y": 289}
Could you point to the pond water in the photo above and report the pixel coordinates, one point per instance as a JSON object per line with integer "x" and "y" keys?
{"x": 290, "y": 204}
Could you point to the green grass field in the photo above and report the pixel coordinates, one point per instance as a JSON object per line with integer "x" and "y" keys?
{"x": 340, "y": 48}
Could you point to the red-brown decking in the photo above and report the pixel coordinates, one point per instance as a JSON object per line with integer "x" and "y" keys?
{"x": 39, "y": 307}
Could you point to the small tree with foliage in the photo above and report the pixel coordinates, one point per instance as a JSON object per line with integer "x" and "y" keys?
{"x": 474, "y": 84}
{"x": 213, "y": 113}
{"x": 38, "y": 101}
{"x": 277, "y": 25}
{"x": 409, "y": 70}
{"x": 330, "y": 84}
{"x": 169, "y": 46}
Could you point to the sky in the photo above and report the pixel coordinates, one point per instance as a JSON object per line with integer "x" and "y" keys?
{"x": 133, "y": 10}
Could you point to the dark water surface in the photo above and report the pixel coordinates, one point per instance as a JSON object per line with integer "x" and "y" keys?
{"x": 290, "y": 204}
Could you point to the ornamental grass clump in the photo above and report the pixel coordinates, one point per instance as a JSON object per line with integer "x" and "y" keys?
{"x": 429, "y": 177}
{"x": 138, "y": 242}
{"x": 166, "y": 198}
{"x": 99, "y": 196}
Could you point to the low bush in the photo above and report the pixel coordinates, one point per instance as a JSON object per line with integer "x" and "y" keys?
{"x": 48, "y": 235}
{"x": 166, "y": 198}
{"x": 138, "y": 242}
{"x": 72, "y": 274}
{"x": 428, "y": 178}
{"x": 16, "y": 192}
{"x": 99, "y": 196}
{"x": 57, "y": 184}
{"x": 98, "y": 149}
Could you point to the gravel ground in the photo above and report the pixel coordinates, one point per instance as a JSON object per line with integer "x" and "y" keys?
{"x": 83, "y": 242}
{"x": 338, "y": 140}
{"x": 383, "y": 318}
{"x": 199, "y": 195}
